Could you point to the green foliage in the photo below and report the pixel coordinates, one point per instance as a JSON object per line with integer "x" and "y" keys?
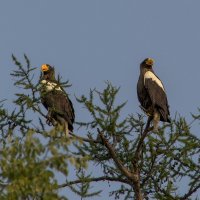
{"x": 168, "y": 156}
{"x": 24, "y": 170}
{"x": 105, "y": 114}
{"x": 32, "y": 156}
{"x": 127, "y": 155}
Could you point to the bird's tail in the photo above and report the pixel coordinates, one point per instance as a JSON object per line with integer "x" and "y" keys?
{"x": 164, "y": 115}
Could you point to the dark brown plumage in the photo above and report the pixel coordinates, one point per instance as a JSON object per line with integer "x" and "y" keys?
{"x": 55, "y": 100}
{"x": 151, "y": 93}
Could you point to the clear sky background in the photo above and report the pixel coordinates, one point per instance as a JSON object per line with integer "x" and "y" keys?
{"x": 91, "y": 41}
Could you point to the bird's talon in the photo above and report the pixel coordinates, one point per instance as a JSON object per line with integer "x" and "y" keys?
{"x": 50, "y": 120}
{"x": 155, "y": 130}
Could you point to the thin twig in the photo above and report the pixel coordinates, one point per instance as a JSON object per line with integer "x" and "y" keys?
{"x": 84, "y": 139}
{"x": 191, "y": 191}
{"x": 143, "y": 136}
{"x": 88, "y": 180}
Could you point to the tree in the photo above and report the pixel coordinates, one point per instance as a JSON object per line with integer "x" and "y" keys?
{"x": 146, "y": 165}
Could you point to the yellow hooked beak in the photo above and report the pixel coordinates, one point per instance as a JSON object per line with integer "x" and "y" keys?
{"x": 150, "y": 61}
{"x": 44, "y": 68}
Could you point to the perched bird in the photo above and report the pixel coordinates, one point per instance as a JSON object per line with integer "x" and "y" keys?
{"x": 55, "y": 100}
{"x": 151, "y": 94}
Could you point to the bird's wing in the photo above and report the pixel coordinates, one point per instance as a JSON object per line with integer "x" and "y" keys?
{"x": 54, "y": 96}
{"x": 69, "y": 109}
{"x": 60, "y": 105}
{"x": 64, "y": 107}
{"x": 157, "y": 94}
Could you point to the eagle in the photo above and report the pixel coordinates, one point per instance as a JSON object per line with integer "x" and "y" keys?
{"x": 152, "y": 95}
{"x": 55, "y": 100}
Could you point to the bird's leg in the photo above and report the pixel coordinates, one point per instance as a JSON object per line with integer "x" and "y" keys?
{"x": 143, "y": 109}
{"x": 66, "y": 129}
{"x": 147, "y": 111}
{"x": 50, "y": 121}
{"x": 156, "y": 119}
{"x": 63, "y": 124}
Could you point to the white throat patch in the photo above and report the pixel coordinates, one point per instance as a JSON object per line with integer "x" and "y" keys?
{"x": 49, "y": 86}
{"x": 150, "y": 75}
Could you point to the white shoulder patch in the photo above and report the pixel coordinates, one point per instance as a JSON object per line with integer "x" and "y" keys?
{"x": 49, "y": 86}
{"x": 150, "y": 75}
{"x": 43, "y": 81}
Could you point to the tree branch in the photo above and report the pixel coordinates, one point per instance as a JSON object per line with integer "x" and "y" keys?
{"x": 118, "y": 162}
{"x": 158, "y": 190}
{"x": 148, "y": 175}
{"x": 84, "y": 139}
{"x": 191, "y": 191}
{"x": 87, "y": 180}
{"x": 143, "y": 136}
{"x": 71, "y": 133}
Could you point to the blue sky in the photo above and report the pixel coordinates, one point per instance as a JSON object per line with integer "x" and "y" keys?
{"x": 91, "y": 41}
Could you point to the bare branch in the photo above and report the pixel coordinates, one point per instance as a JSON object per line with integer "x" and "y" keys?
{"x": 87, "y": 180}
{"x": 143, "y": 136}
{"x": 191, "y": 191}
{"x": 118, "y": 162}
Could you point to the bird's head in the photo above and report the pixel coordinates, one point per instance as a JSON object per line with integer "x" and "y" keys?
{"x": 48, "y": 72}
{"x": 147, "y": 63}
